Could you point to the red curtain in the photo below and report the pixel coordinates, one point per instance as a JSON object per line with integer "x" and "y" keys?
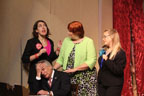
{"x": 128, "y": 17}
{"x": 138, "y": 32}
{"x": 121, "y": 22}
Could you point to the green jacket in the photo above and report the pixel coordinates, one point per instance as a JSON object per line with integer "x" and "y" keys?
{"x": 84, "y": 53}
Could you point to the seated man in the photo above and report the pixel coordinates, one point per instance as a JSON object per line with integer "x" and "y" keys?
{"x": 52, "y": 82}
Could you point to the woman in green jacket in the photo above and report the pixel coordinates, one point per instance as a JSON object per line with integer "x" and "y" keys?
{"x": 78, "y": 58}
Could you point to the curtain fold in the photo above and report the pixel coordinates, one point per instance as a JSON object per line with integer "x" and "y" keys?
{"x": 138, "y": 33}
{"x": 121, "y": 22}
{"x": 128, "y": 17}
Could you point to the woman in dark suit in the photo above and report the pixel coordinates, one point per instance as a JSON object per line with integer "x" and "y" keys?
{"x": 40, "y": 47}
{"x": 112, "y": 64}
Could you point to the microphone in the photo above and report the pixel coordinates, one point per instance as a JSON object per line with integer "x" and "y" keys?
{"x": 103, "y": 50}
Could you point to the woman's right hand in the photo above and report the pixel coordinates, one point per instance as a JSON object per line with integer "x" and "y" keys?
{"x": 35, "y": 56}
{"x": 104, "y": 57}
{"x": 43, "y": 50}
{"x": 71, "y": 70}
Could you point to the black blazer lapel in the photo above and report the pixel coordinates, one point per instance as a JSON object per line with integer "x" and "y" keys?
{"x": 45, "y": 84}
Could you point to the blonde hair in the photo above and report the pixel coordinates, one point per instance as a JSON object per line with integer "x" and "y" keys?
{"x": 116, "y": 45}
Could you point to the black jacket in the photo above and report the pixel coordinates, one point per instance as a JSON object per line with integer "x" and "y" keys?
{"x": 31, "y": 49}
{"x": 112, "y": 71}
{"x": 60, "y": 84}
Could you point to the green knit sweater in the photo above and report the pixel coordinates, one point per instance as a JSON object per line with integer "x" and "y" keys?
{"x": 84, "y": 53}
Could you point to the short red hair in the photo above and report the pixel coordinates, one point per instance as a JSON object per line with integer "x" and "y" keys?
{"x": 77, "y": 28}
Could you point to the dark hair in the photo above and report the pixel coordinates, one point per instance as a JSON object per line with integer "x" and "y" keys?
{"x": 35, "y": 34}
{"x": 77, "y": 28}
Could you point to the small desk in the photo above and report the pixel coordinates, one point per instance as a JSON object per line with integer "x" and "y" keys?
{"x": 39, "y": 95}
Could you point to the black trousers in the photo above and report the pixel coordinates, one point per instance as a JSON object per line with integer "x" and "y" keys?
{"x": 109, "y": 90}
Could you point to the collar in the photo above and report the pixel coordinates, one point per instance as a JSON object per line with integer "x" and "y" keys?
{"x": 78, "y": 41}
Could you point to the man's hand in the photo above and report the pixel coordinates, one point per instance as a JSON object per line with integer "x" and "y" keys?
{"x": 38, "y": 69}
{"x": 42, "y": 92}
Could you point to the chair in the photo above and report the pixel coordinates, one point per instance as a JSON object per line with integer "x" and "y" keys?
{"x": 74, "y": 89}
{"x": 5, "y": 89}
{"x": 20, "y": 91}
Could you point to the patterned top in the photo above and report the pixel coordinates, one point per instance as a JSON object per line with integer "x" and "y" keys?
{"x": 86, "y": 79}
{"x": 71, "y": 58}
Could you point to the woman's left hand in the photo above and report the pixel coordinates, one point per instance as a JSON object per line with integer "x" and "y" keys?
{"x": 59, "y": 44}
{"x": 58, "y": 47}
{"x": 70, "y": 70}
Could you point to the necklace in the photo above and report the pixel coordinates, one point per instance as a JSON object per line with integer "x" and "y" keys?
{"x": 78, "y": 41}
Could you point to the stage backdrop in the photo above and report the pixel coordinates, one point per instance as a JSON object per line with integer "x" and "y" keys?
{"x": 18, "y": 16}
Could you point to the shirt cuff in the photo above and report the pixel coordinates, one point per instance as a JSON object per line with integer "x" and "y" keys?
{"x": 38, "y": 78}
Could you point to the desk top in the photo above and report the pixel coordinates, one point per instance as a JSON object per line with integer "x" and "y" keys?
{"x": 39, "y": 95}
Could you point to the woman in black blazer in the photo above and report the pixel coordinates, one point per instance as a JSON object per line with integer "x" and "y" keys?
{"x": 40, "y": 47}
{"x": 112, "y": 64}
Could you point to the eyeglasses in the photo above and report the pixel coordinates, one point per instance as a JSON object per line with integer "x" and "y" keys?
{"x": 105, "y": 36}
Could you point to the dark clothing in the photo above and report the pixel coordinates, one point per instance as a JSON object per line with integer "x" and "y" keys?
{"x": 31, "y": 49}
{"x": 109, "y": 90}
{"x": 112, "y": 72}
{"x": 60, "y": 84}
